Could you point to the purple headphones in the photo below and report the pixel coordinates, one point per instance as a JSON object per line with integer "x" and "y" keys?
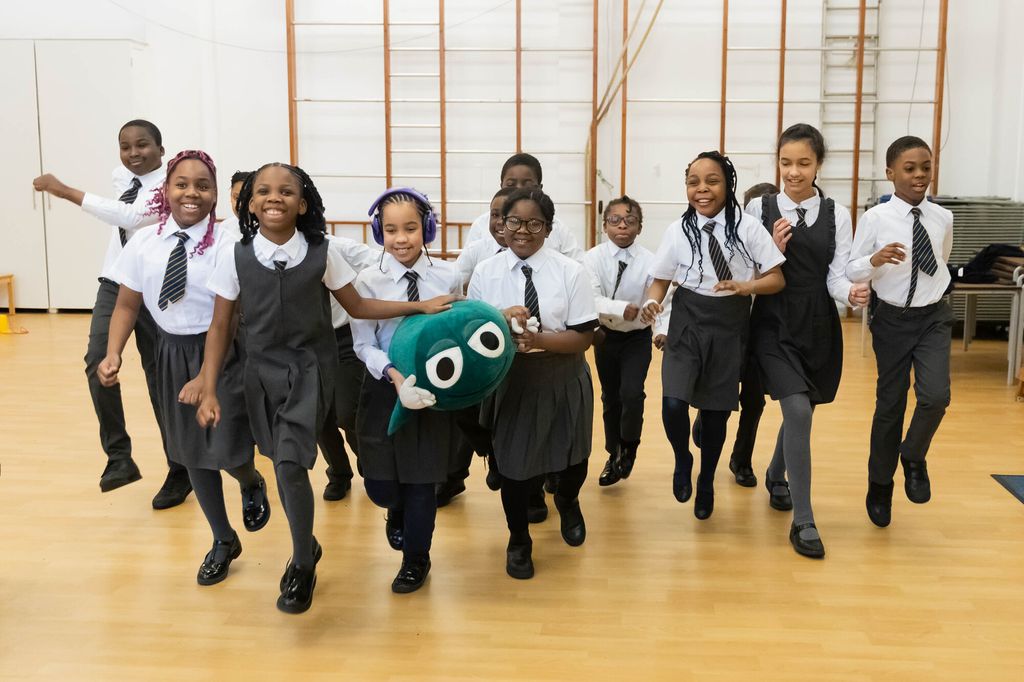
{"x": 429, "y": 220}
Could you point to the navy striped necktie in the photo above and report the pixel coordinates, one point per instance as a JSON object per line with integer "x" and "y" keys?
{"x": 530, "y": 293}
{"x": 922, "y": 257}
{"x": 412, "y": 289}
{"x": 618, "y": 277}
{"x": 173, "y": 288}
{"x": 801, "y": 213}
{"x": 129, "y": 197}
{"x": 722, "y": 271}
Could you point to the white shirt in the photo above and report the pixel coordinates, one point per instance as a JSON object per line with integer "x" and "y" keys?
{"x": 837, "y": 282}
{"x": 560, "y": 239}
{"x": 602, "y": 264}
{"x": 119, "y": 214}
{"x": 892, "y": 222}
{"x": 675, "y": 259}
{"x": 359, "y": 256}
{"x": 562, "y": 284}
{"x": 371, "y": 339}
{"x": 230, "y": 225}
{"x": 143, "y": 262}
{"x": 474, "y": 253}
{"x": 661, "y": 323}
{"x": 224, "y": 280}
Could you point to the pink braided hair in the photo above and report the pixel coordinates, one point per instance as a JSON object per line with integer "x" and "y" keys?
{"x": 161, "y": 206}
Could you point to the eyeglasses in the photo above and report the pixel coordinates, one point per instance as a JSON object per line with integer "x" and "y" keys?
{"x": 512, "y": 224}
{"x": 616, "y": 220}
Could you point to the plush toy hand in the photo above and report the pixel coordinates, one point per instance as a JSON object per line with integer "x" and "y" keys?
{"x": 532, "y": 325}
{"x": 413, "y": 398}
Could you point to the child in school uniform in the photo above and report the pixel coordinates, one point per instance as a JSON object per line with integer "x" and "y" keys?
{"x": 401, "y": 471}
{"x": 901, "y": 248}
{"x": 479, "y": 250}
{"x": 279, "y": 275}
{"x": 348, "y": 381}
{"x": 714, "y": 253}
{"x": 519, "y": 171}
{"x": 135, "y": 181}
{"x": 541, "y": 416}
{"x": 619, "y": 271}
{"x": 230, "y": 224}
{"x": 166, "y": 268}
{"x": 796, "y": 340}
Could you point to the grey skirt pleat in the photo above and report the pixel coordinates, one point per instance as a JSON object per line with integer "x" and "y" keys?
{"x": 230, "y": 443}
{"x": 542, "y": 415}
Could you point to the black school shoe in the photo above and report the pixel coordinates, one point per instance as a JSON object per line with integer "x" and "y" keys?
{"x": 175, "y": 489}
{"x": 610, "y": 473}
{"x": 915, "y": 481}
{"x": 809, "y": 548}
{"x": 573, "y": 527}
{"x": 411, "y": 575}
{"x": 879, "y": 503}
{"x": 255, "y": 505}
{"x": 744, "y": 474}
{"x": 704, "y": 503}
{"x": 778, "y": 494}
{"x": 337, "y": 489}
{"x": 626, "y": 460}
{"x": 212, "y": 572}
{"x": 519, "y": 560}
{"x": 448, "y": 490}
{"x": 119, "y": 472}
{"x": 318, "y": 553}
{"x": 394, "y": 530}
{"x": 297, "y": 593}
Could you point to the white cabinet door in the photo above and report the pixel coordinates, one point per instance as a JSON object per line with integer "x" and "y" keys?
{"x": 85, "y": 96}
{"x": 22, "y": 240}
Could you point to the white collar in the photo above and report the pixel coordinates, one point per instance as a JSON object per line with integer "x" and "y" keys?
{"x": 266, "y": 248}
{"x": 536, "y": 261}
{"x": 195, "y": 233}
{"x": 703, "y": 220}
{"x": 902, "y": 207}
{"x": 149, "y": 178}
{"x": 787, "y": 204}
{"x": 397, "y": 271}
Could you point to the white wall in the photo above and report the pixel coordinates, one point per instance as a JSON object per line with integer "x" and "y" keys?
{"x": 212, "y": 74}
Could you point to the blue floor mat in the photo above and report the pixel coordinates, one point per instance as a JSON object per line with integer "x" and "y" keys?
{"x": 1015, "y": 484}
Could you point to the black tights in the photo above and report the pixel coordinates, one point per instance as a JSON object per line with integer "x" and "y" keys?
{"x": 676, "y": 415}
{"x": 415, "y": 504}
{"x": 515, "y": 496}
{"x": 209, "y": 490}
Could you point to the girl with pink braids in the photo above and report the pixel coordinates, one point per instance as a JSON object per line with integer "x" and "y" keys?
{"x": 166, "y": 267}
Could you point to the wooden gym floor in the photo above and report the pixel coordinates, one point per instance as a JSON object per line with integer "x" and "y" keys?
{"x": 101, "y": 587}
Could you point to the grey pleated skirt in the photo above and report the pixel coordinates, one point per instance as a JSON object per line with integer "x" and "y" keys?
{"x": 705, "y": 349}
{"x": 542, "y": 415}
{"x": 230, "y": 443}
{"x": 419, "y": 452}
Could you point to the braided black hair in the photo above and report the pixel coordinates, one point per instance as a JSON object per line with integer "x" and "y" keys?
{"x": 311, "y": 224}
{"x": 733, "y": 216}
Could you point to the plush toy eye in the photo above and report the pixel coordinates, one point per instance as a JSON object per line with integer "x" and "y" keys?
{"x": 445, "y": 368}
{"x": 488, "y": 340}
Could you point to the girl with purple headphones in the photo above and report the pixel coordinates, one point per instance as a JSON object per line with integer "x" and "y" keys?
{"x": 400, "y": 471}
{"x": 278, "y": 276}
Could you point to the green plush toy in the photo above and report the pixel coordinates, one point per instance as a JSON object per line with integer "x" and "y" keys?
{"x": 460, "y": 355}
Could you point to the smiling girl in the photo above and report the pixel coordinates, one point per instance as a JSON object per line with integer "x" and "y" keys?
{"x": 714, "y": 253}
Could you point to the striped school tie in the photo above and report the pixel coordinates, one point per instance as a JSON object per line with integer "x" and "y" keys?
{"x": 280, "y": 265}
{"x": 618, "y": 277}
{"x": 921, "y": 255}
{"x": 412, "y": 289}
{"x": 722, "y": 271}
{"x": 800, "y": 214}
{"x": 129, "y": 197}
{"x": 530, "y": 293}
{"x": 173, "y": 288}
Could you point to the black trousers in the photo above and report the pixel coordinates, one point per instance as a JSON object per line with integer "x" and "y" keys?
{"x": 622, "y": 360}
{"x": 917, "y": 338}
{"x": 106, "y": 401}
{"x": 348, "y": 381}
{"x": 751, "y": 408}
